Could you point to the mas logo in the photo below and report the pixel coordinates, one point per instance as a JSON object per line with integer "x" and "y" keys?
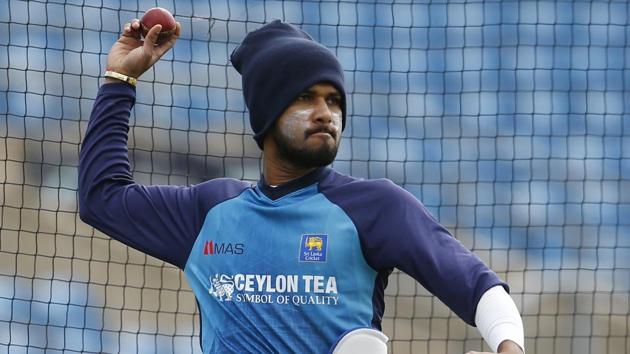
{"x": 313, "y": 248}
{"x": 211, "y": 248}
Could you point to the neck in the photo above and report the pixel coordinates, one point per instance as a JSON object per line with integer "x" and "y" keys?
{"x": 279, "y": 172}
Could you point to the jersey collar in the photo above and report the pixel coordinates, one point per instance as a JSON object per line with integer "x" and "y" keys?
{"x": 280, "y": 191}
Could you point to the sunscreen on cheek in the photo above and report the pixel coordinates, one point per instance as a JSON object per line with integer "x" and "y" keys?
{"x": 303, "y": 115}
{"x": 296, "y": 123}
{"x": 336, "y": 120}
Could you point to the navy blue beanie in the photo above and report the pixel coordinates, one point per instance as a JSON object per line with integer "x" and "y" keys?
{"x": 278, "y": 62}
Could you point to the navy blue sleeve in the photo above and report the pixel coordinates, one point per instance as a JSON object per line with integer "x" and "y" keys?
{"x": 162, "y": 221}
{"x": 397, "y": 231}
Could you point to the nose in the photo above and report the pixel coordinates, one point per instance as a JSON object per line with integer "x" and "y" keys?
{"x": 322, "y": 113}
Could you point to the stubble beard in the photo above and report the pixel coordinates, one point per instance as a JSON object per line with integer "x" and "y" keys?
{"x": 303, "y": 157}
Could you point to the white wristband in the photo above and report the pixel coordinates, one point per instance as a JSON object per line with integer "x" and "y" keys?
{"x": 498, "y": 319}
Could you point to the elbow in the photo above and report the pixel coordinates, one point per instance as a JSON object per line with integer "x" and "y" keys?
{"x": 89, "y": 196}
{"x": 88, "y": 201}
{"x": 83, "y": 191}
{"x": 97, "y": 201}
{"x": 91, "y": 212}
{"x": 86, "y": 214}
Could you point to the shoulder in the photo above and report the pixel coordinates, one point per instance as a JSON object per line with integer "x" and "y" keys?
{"x": 223, "y": 182}
{"x": 389, "y": 220}
{"x": 381, "y": 192}
{"x": 218, "y": 190}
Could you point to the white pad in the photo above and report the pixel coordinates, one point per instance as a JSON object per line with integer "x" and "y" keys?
{"x": 362, "y": 341}
{"x": 497, "y": 318}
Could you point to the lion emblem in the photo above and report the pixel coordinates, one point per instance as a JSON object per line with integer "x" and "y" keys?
{"x": 314, "y": 242}
{"x": 221, "y": 287}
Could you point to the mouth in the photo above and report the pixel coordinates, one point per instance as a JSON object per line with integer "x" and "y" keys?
{"x": 321, "y": 132}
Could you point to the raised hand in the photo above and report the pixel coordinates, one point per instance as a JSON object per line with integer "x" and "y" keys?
{"x": 132, "y": 56}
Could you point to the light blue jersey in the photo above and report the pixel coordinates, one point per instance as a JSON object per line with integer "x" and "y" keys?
{"x": 274, "y": 276}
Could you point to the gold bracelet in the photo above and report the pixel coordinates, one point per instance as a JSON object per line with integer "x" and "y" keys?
{"x": 128, "y": 79}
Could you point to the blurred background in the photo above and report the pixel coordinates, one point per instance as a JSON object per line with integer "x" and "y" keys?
{"x": 508, "y": 119}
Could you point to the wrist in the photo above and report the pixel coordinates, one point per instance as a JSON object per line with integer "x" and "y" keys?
{"x": 509, "y": 347}
{"x": 112, "y": 76}
{"x": 109, "y": 80}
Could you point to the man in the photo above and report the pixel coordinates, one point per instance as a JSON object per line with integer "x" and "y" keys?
{"x": 299, "y": 260}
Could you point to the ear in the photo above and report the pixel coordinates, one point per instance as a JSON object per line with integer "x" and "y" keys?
{"x": 269, "y": 144}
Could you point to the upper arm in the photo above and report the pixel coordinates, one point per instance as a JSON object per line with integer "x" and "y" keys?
{"x": 397, "y": 231}
{"x": 157, "y": 220}
{"x": 162, "y": 221}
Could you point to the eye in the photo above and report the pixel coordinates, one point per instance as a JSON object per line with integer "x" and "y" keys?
{"x": 304, "y": 96}
{"x": 334, "y": 100}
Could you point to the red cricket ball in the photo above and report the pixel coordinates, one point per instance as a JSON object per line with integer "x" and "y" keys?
{"x": 161, "y": 16}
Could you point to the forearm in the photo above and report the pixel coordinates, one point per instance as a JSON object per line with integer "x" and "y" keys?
{"x": 499, "y": 322}
{"x": 103, "y": 161}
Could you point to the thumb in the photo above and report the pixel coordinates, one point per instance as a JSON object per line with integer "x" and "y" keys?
{"x": 151, "y": 38}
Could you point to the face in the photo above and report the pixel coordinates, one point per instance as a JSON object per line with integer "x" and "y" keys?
{"x": 308, "y": 133}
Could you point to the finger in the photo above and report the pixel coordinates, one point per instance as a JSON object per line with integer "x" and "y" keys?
{"x": 136, "y": 25}
{"x": 132, "y": 29}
